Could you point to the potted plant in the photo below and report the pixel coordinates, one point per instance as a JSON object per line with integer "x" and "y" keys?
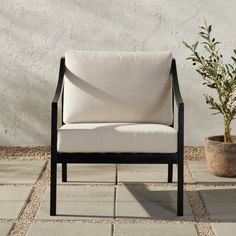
{"x": 221, "y": 77}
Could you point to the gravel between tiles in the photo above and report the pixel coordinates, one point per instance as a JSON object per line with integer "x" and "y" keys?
{"x": 28, "y": 214}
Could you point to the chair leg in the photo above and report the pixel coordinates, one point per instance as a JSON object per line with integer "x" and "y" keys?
{"x": 180, "y": 191}
{"x": 64, "y": 172}
{"x": 53, "y": 192}
{"x": 170, "y": 173}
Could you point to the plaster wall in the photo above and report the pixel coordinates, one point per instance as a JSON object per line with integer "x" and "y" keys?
{"x": 34, "y": 34}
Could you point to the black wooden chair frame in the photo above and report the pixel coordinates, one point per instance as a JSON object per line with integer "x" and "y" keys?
{"x": 118, "y": 158}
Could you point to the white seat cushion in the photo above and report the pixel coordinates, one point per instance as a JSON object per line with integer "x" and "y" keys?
{"x": 117, "y": 137}
{"x": 117, "y": 87}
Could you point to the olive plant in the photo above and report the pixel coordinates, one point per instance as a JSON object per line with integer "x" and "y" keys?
{"x": 216, "y": 74}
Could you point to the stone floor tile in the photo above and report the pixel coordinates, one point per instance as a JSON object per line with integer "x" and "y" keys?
{"x": 224, "y": 229}
{"x": 80, "y": 202}
{"x": 144, "y": 173}
{"x": 220, "y": 202}
{"x": 152, "y": 210}
{"x": 218, "y": 193}
{"x": 12, "y": 200}
{"x": 142, "y": 193}
{"x": 10, "y": 210}
{"x": 149, "y": 203}
{"x": 155, "y": 229}
{"x": 221, "y": 211}
{"x": 74, "y": 177}
{"x": 88, "y": 173}
{"x": 90, "y": 167}
{"x": 201, "y": 174}
{"x": 144, "y": 167}
{"x": 14, "y": 193}
{"x": 197, "y": 165}
{"x": 77, "y": 210}
{"x": 82, "y": 193}
{"x": 5, "y": 228}
{"x": 69, "y": 229}
{"x": 20, "y": 171}
{"x": 144, "y": 177}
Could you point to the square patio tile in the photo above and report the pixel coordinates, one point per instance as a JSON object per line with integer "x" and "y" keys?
{"x": 220, "y": 202}
{"x": 201, "y": 174}
{"x": 149, "y": 203}
{"x": 144, "y": 173}
{"x": 20, "y": 171}
{"x": 80, "y": 202}
{"x": 12, "y": 200}
{"x": 155, "y": 229}
{"x": 5, "y": 228}
{"x": 143, "y": 167}
{"x": 82, "y": 193}
{"x": 142, "y": 193}
{"x": 224, "y": 229}
{"x": 90, "y": 167}
{"x": 85, "y": 173}
{"x": 69, "y": 229}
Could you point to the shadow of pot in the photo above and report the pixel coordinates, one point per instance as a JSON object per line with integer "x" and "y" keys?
{"x": 220, "y": 156}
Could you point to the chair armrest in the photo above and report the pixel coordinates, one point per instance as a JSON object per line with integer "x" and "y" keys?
{"x": 54, "y": 108}
{"x": 180, "y": 105}
{"x": 176, "y": 90}
{"x": 60, "y": 82}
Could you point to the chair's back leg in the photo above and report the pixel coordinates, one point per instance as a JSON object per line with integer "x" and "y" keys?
{"x": 170, "y": 173}
{"x": 64, "y": 172}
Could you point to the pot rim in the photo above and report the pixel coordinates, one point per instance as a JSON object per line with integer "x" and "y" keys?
{"x": 211, "y": 139}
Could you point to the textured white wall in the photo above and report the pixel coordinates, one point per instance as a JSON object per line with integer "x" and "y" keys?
{"x": 35, "y": 33}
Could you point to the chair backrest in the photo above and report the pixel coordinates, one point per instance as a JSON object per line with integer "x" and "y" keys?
{"x": 117, "y": 87}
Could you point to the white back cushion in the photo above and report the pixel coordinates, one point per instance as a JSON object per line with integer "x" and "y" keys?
{"x": 117, "y": 87}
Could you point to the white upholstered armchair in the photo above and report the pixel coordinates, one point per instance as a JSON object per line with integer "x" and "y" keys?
{"x": 117, "y": 107}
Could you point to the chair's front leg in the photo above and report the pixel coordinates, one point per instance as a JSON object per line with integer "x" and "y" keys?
{"x": 180, "y": 187}
{"x": 64, "y": 172}
{"x": 180, "y": 198}
{"x": 53, "y": 192}
{"x": 170, "y": 173}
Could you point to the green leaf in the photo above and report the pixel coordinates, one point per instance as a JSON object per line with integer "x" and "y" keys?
{"x": 227, "y": 68}
{"x": 206, "y": 43}
{"x": 211, "y": 86}
{"x": 186, "y": 45}
{"x": 209, "y": 28}
{"x": 195, "y": 46}
{"x": 231, "y": 66}
{"x": 191, "y": 58}
{"x": 205, "y": 37}
{"x": 216, "y": 113}
{"x": 207, "y": 48}
{"x": 217, "y": 43}
{"x": 234, "y": 59}
{"x": 228, "y": 86}
{"x": 200, "y": 72}
{"x": 196, "y": 54}
{"x": 202, "y": 33}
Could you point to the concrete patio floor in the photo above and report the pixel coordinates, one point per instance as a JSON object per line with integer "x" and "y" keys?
{"x": 91, "y": 203}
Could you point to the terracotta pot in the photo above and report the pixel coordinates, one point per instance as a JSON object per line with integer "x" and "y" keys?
{"x": 221, "y": 157}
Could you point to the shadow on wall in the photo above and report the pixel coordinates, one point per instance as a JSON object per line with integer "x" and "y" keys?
{"x": 26, "y": 106}
{"x": 28, "y": 78}
{"x": 34, "y": 35}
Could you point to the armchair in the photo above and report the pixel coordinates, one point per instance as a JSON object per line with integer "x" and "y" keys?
{"x": 117, "y": 107}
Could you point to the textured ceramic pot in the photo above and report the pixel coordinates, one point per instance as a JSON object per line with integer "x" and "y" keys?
{"x": 221, "y": 157}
